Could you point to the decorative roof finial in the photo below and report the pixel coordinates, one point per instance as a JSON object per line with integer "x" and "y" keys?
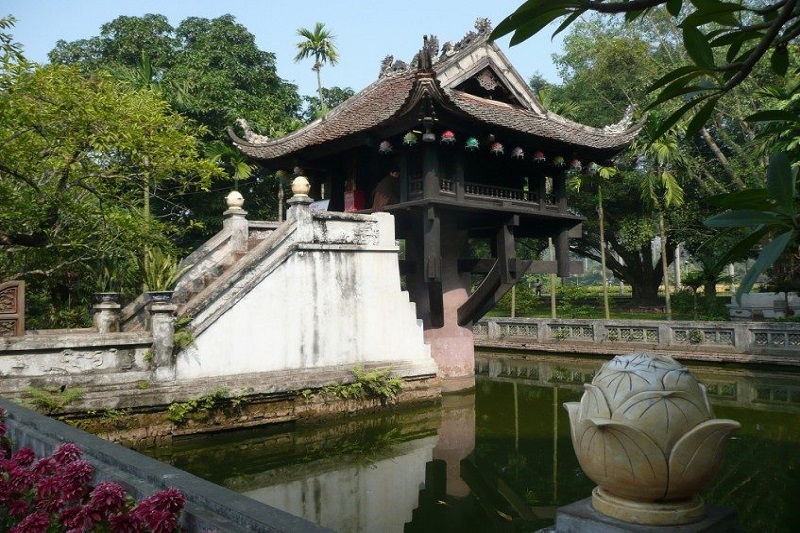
{"x": 483, "y": 25}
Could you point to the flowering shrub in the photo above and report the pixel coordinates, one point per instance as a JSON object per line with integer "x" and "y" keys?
{"x": 55, "y": 495}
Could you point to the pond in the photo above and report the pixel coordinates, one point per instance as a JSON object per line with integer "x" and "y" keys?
{"x": 496, "y": 459}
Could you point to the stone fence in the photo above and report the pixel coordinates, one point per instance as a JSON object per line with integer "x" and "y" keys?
{"x": 209, "y": 507}
{"x": 769, "y": 342}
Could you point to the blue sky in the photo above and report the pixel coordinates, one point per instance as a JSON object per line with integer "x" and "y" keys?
{"x": 366, "y": 31}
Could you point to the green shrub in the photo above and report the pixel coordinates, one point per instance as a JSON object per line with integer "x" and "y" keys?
{"x": 52, "y": 400}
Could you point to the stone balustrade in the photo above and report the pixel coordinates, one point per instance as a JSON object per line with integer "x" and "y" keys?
{"x": 750, "y": 338}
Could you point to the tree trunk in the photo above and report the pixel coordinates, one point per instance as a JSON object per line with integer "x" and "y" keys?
{"x": 664, "y": 265}
{"x": 318, "y": 67}
{"x": 710, "y": 292}
{"x": 601, "y": 220}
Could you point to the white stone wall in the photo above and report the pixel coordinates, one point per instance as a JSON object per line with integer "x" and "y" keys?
{"x": 334, "y": 301}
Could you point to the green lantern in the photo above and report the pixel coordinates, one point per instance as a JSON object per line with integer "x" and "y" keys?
{"x": 410, "y": 139}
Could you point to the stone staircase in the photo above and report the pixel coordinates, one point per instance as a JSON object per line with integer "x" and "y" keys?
{"x": 208, "y": 263}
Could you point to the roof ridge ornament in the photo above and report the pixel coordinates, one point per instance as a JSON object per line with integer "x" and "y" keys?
{"x": 624, "y": 123}
{"x": 249, "y": 135}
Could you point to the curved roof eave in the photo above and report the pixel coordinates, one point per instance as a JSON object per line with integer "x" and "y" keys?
{"x": 367, "y": 109}
{"x": 392, "y": 95}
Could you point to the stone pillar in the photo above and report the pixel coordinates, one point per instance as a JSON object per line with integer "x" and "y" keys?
{"x": 452, "y": 345}
{"x": 162, "y": 326}
{"x": 235, "y": 222}
{"x": 299, "y": 210}
{"x": 106, "y": 317}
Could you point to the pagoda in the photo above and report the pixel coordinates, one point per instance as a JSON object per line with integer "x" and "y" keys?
{"x": 479, "y": 158}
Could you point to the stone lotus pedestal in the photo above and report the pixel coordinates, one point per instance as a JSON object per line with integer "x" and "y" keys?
{"x": 646, "y": 434}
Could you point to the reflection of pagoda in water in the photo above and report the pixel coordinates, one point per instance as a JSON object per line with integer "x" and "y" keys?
{"x": 479, "y": 157}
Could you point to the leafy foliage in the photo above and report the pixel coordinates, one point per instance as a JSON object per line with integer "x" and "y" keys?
{"x": 203, "y": 407}
{"x": 161, "y": 270}
{"x": 768, "y": 212}
{"x": 52, "y": 400}
{"x": 724, "y": 42}
{"x": 376, "y": 384}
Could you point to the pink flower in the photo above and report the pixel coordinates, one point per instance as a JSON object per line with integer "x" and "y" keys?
{"x": 44, "y": 467}
{"x": 18, "y": 507}
{"x": 24, "y": 457}
{"x": 171, "y": 500}
{"x": 47, "y": 487}
{"x": 126, "y": 523}
{"x": 21, "y": 480}
{"x": 161, "y": 521}
{"x": 107, "y": 497}
{"x": 67, "y": 453}
{"x": 70, "y": 517}
{"x": 33, "y": 523}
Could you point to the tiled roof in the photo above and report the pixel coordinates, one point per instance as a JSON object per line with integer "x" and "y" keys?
{"x": 367, "y": 109}
{"x": 549, "y": 126}
{"x": 385, "y": 98}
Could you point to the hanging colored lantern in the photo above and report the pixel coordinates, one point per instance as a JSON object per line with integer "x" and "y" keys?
{"x": 410, "y": 139}
{"x": 538, "y": 156}
{"x": 496, "y": 148}
{"x": 518, "y": 153}
{"x": 558, "y": 161}
{"x": 575, "y": 165}
{"x": 448, "y": 137}
{"x": 472, "y": 144}
{"x": 385, "y": 147}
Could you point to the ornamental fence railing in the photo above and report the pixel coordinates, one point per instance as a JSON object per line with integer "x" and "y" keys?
{"x": 769, "y": 338}
{"x": 482, "y": 191}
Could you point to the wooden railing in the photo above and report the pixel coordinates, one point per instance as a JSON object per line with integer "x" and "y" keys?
{"x": 448, "y": 187}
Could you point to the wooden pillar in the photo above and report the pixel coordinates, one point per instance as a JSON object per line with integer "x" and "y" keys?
{"x": 430, "y": 170}
{"x": 562, "y": 254}
{"x": 460, "y": 190}
{"x": 432, "y": 275}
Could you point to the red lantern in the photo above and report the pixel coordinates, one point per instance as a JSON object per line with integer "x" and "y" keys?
{"x": 448, "y": 137}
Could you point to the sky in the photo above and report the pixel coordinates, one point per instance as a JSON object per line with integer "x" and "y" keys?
{"x": 366, "y": 31}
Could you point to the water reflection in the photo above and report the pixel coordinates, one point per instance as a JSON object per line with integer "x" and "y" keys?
{"x": 496, "y": 459}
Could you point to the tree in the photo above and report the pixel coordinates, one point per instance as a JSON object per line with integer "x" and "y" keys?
{"x": 769, "y": 212}
{"x": 718, "y": 159}
{"x": 724, "y": 42}
{"x": 333, "y": 97}
{"x": 72, "y": 153}
{"x": 229, "y": 78}
{"x": 317, "y": 43}
{"x": 597, "y": 178}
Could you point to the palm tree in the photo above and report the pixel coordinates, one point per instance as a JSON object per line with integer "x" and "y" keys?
{"x": 317, "y": 43}
{"x": 232, "y": 159}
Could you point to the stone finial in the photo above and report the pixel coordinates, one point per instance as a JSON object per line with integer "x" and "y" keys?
{"x": 301, "y": 186}
{"x": 235, "y": 200}
{"x": 646, "y": 434}
{"x": 483, "y": 25}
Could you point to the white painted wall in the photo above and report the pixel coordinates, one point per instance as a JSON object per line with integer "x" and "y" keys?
{"x": 334, "y": 300}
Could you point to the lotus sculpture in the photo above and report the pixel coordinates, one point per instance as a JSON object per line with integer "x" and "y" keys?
{"x": 646, "y": 434}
